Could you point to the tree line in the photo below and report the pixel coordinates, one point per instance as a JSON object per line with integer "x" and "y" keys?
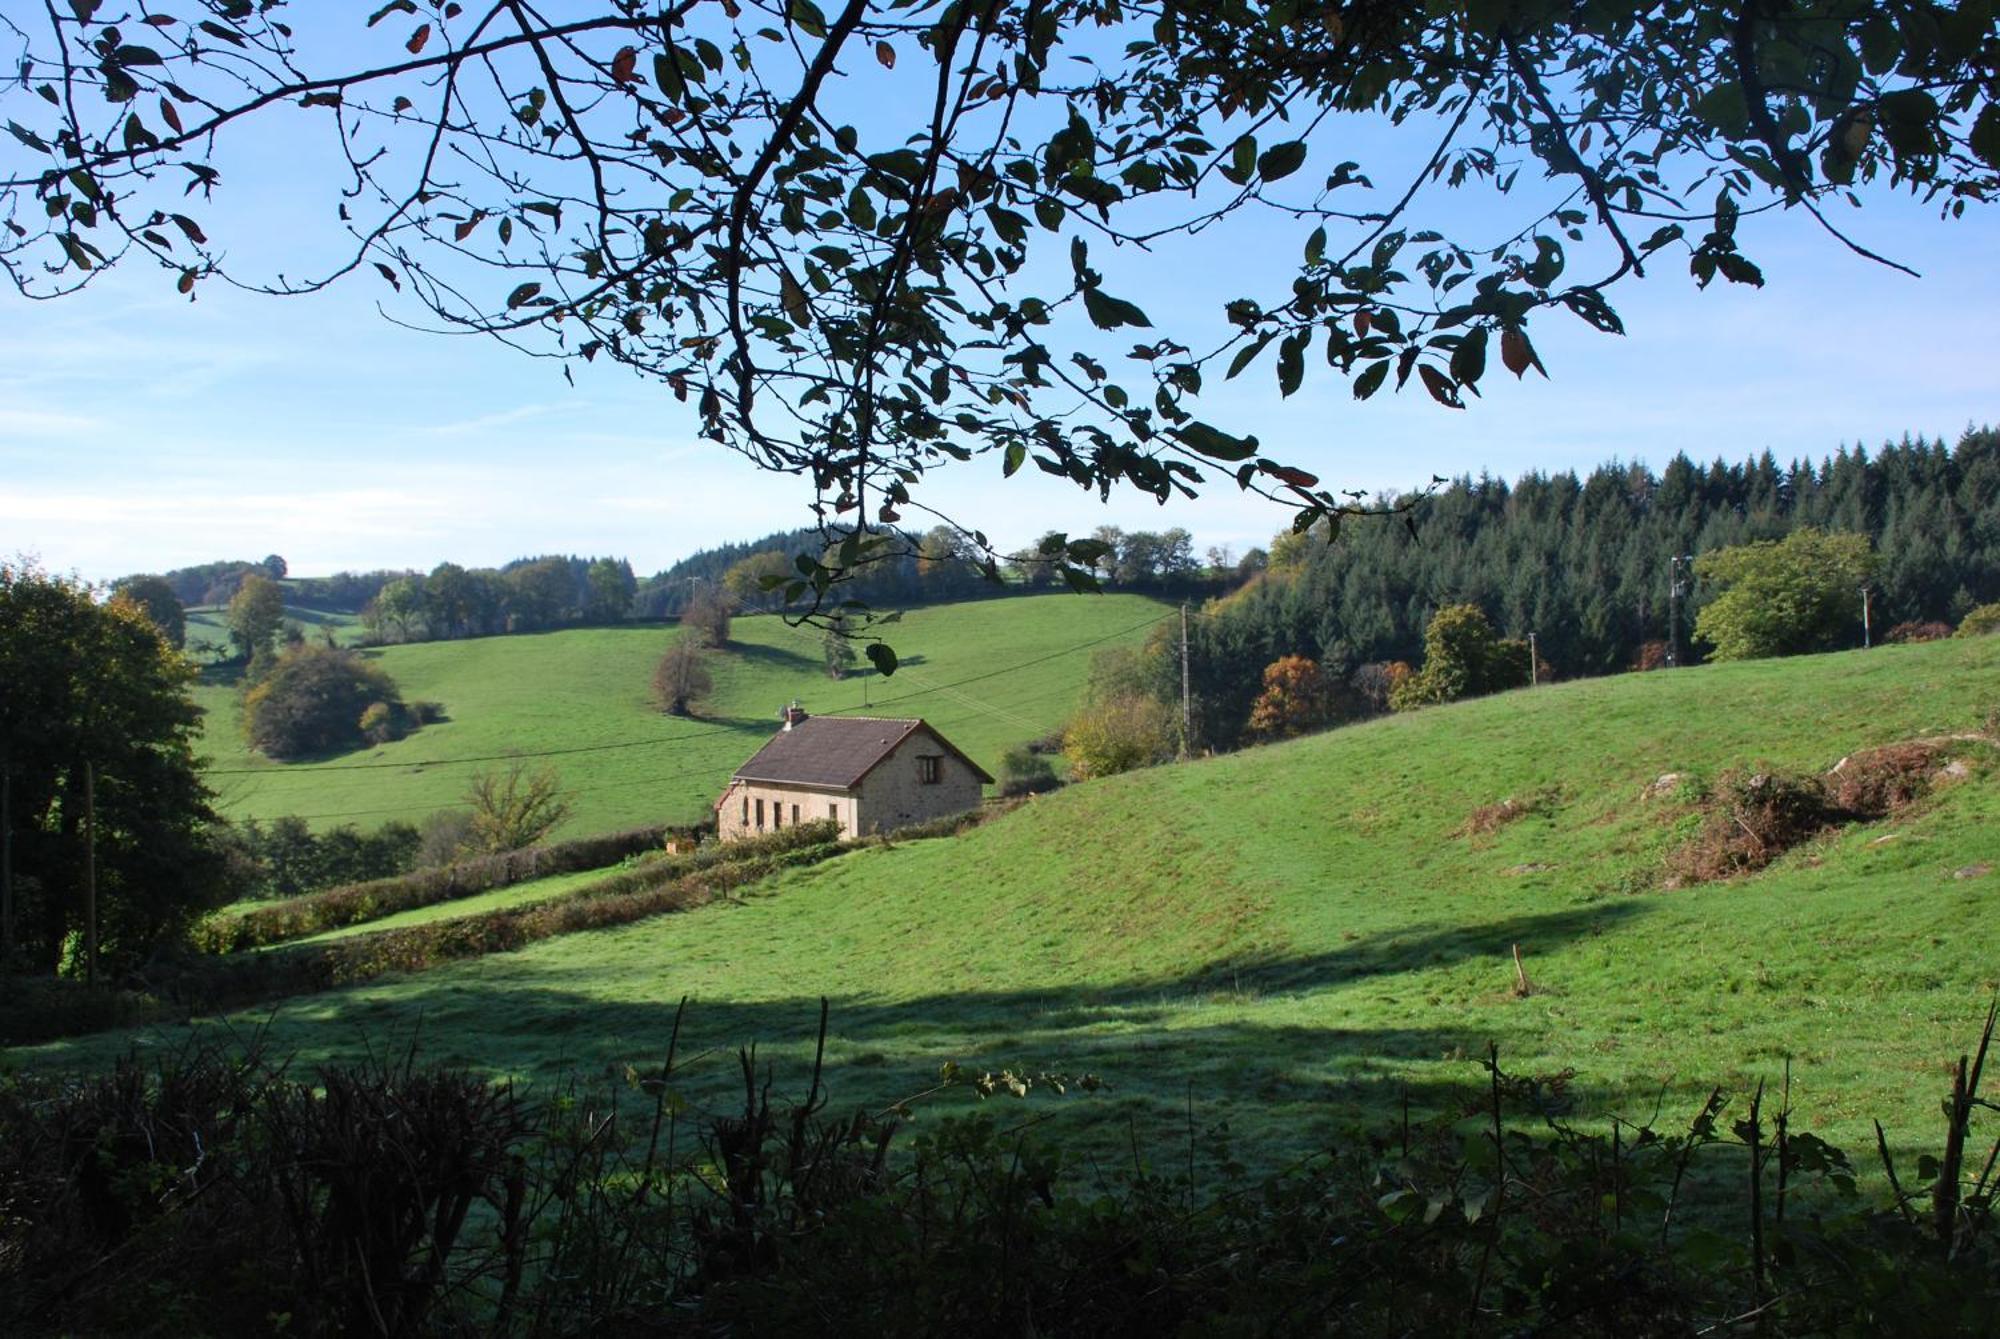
{"x": 1588, "y": 564}
{"x": 940, "y": 566}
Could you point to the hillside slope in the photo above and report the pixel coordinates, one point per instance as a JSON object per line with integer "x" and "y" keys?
{"x": 1304, "y": 932}
{"x": 581, "y": 697}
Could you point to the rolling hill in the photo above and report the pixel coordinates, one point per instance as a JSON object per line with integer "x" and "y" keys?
{"x": 989, "y": 674}
{"x": 1303, "y": 935}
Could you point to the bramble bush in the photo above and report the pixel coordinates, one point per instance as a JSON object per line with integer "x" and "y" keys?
{"x": 214, "y": 1191}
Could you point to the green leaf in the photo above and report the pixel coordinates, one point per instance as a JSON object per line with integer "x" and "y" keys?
{"x": 1242, "y": 161}
{"x": 1371, "y": 379}
{"x": 1281, "y": 160}
{"x": 1016, "y": 453}
{"x": 1985, "y": 137}
{"x": 1292, "y": 362}
{"x": 1108, "y": 313}
{"x": 1213, "y": 442}
{"x": 1468, "y": 360}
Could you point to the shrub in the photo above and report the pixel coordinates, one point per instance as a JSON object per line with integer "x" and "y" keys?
{"x": 1980, "y": 622}
{"x": 286, "y": 857}
{"x": 1650, "y": 656}
{"x": 1118, "y": 735}
{"x": 1917, "y": 632}
{"x": 314, "y": 700}
{"x": 1023, "y": 771}
{"x": 1462, "y": 658}
{"x": 1296, "y": 698}
{"x": 445, "y": 838}
{"x": 1752, "y": 818}
{"x": 210, "y": 1192}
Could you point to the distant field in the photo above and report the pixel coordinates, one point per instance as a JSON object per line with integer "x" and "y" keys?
{"x": 583, "y": 696}
{"x": 209, "y": 623}
{"x": 1297, "y": 937}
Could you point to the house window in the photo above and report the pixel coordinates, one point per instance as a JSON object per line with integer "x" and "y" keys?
{"x": 760, "y": 815}
{"x": 746, "y": 811}
{"x": 777, "y": 814}
{"x": 833, "y": 812}
{"x": 929, "y": 769}
{"x": 795, "y": 815}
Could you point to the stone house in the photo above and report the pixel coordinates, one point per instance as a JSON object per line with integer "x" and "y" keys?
{"x": 867, "y": 773}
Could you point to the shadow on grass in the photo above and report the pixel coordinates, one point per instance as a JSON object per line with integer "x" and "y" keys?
{"x": 1228, "y": 1037}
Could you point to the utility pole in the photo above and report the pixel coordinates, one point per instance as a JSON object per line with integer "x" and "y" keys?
{"x": 1867, "y": 635}
{"x": 1534, "y": 668}
{"x": 1674, "y": 565}
{"x": 1187, "y": 710}
{"x": 90, "y": 873}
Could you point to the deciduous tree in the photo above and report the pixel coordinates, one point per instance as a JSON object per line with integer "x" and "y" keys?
{"x": 873, "y": 238}
{"x": 681, "y": 679}
{"x": 865, "y": 240}
{"x": 96, "y": 705}
{"x": 1296, "y": 698}
{"x": 514, "y": 808}
{"x": 1801, "y": 593}
{"x": 157, "y": 601}
{"x": 256, "y": 612}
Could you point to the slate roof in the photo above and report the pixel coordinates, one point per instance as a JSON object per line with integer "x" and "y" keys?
{"x": 837, "y": 751}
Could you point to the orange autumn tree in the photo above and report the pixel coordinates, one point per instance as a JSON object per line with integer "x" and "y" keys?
{"x": 1296, "y": 698}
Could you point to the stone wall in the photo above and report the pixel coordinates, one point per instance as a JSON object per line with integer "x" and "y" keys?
{"x": 738, "y": 815}
{"x": 895, "y": 793}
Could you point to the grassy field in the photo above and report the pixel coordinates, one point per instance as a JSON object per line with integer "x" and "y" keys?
{"x": 1300, "y": 936}
{"x": 583, "y": 695}
{"x": 209, "y": 623}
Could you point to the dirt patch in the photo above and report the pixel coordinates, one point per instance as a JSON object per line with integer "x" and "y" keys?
{"x": 1489, "y": 818}
{"x": 1750, "y": 818}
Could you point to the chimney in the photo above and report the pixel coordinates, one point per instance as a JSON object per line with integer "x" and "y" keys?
{"x": 793, "y": 714}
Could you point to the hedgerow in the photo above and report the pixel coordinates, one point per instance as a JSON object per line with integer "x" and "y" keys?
{"x": 351, "y": 904}
{"x": 671, "y": 883}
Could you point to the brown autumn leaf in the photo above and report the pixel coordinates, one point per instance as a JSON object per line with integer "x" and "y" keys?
{"x": 417, "y": 39}
{"x": 464, "y": 230}
{"x": 1362, "y": 321}
{"x": 886, "y": 54}
{"x": 1292, "y": 475}
{"x": 1517, "y": 354}
{"x": 170, "y": 115}
{"x": 624, "y": 65}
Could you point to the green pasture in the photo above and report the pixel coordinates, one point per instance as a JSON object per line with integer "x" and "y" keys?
{"x": 1298, "y": 937}
{"x": 209, "y": 623}
{"x": 989, "y": 674}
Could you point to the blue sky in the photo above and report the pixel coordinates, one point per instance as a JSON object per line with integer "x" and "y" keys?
{"x": 141, "y": 432}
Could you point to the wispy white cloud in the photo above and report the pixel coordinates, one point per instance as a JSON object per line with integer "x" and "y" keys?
{"x": 45, "y": 423}
{"x": 503, "y": 418}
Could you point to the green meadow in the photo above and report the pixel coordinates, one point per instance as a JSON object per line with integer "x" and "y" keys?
{"x": 581, "y": 700}
{"x": 1300, "y": 937}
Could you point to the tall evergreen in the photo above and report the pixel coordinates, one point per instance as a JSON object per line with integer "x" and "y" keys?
{"x": 1584, "y": 562}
